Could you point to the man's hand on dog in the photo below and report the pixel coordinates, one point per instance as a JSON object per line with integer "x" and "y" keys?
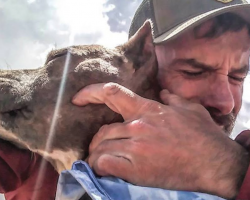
{"x": 173, "y": 146}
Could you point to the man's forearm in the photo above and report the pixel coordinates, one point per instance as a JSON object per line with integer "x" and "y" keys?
{"x": 227, "y": 169}
{"x": 241, "y": 169}
{"x": 234, "y": 169}
{"x": 244, "y": 191}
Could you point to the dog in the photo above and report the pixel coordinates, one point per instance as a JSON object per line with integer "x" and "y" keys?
{"x": 29, "y": 98}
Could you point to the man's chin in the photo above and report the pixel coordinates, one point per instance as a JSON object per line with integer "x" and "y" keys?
{"x": 228, "y": 129}
{"x": 225, "y": 122}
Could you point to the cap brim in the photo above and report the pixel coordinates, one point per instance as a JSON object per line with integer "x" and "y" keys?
{"x": 242, "y": 10}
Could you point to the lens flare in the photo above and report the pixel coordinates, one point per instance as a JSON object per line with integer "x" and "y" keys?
{"x": 53, "y": 125}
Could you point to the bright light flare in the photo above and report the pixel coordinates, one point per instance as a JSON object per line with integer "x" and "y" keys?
{"x": 82, "y": 16}
{"x": 53, "y": 125}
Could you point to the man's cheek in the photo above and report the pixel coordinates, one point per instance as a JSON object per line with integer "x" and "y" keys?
{"x": 185, "y": 89}
{"x": 170, "y": 80}
{"x": 237, "y": 96}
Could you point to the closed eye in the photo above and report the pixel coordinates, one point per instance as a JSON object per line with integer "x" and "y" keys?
{"x": 192, "y": 74}
{"x": 238, "y": 79}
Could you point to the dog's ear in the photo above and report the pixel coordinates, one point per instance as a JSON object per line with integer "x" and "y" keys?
{"x": 140, "y": 51}
{"x": 140, "y": 48}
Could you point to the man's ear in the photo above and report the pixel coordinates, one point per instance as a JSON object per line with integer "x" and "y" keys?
{"x": 140, "y": 48}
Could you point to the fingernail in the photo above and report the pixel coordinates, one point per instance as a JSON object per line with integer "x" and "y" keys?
{"x": 164, "y": 96}
{"x": 76, "y": 100}
{"x": 111, "y": 88}
{"x": 164, "y": 93}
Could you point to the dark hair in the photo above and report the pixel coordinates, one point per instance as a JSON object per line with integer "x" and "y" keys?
{"x": 223, "y": 23}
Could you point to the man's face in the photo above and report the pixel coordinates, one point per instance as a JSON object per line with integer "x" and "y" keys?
{"x": 207, "y": 71}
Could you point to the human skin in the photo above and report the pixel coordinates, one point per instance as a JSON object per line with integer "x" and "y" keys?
{"x": 210, "y": 73}
{"x": 178, "y": 145}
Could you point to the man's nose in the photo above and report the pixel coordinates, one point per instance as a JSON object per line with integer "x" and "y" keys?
{"x": 219, "y": 96}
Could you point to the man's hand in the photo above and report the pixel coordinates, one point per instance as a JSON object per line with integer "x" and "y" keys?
{"x": 173, "y": 146}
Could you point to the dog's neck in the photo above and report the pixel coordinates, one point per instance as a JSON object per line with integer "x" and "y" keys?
{"x": 61, "y": 160}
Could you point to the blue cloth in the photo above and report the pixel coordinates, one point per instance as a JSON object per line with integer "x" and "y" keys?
{"x": 74, "y": 183}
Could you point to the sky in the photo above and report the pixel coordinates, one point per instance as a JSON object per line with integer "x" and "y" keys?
{"x": 31, "y": 28}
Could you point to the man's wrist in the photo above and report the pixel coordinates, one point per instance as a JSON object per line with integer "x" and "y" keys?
{"x": 244, "y": 192}
{"x": 234, "y": 172}
{"x": 242, "y": 168}
{"x": 227, "y": 170}
{"x": 244, "y": 140}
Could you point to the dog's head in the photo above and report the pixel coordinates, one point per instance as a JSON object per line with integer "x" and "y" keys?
{"x": 35, "y": 105}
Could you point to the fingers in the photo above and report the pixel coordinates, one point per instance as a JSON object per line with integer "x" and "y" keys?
{"x": 109, "y": 132}
{"x": 110, "y": 165}
{"x": 116, "y": 97}
{"x": 118, "y": 131}
{"x": 244, "y": 139}
{"x": 175, "y": 100}
{"x": 172, "y": 99}
{"x": 111, "y": 158}
{"x": 94, "y": 93}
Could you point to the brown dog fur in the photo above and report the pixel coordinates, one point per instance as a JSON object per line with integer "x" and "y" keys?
{"x": 28, "y": 97}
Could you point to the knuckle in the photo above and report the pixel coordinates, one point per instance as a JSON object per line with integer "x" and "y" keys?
{"x": 137, "y": 125}
{"x": 101, "y": 164}
{"x": 173, "y": 97}
{"x": 103, "y": 130}
{"x": 111, "y": 88}
{"x": 103, "y": 147}
{"x": 98, "y": 137}
{"x": 138, "y": 146}
{"x": 176, "y": 100}
{"x": 91, "y": 147}
{"x": 101, "y": 161}
{"x": 153, "y": 106}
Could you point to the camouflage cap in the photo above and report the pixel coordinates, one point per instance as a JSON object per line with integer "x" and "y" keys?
{"x": 171, "y": 17}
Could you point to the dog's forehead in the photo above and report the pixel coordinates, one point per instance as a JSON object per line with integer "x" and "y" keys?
{"x": 86, "y": 52}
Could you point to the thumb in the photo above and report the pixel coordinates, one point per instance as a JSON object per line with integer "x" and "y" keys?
{"x": 115, "y": 96}
{"x": 172, "y": 99}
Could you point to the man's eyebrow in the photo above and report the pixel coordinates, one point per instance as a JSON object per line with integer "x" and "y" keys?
{"x": 195, "y": 64}
{"x": 242, "y": 70}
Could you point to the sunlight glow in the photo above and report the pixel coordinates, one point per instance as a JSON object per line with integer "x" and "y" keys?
{"x": 246, "y": 93}
{"x": 83, "y": 17}
{"x": 80, "y": 16}
{"x": 31, "y": 1}
{"x": 53, "y": 125}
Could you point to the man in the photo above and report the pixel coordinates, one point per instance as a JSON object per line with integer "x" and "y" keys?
{"x": 202, "y": 62}
{"x": 179, "y": 145}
